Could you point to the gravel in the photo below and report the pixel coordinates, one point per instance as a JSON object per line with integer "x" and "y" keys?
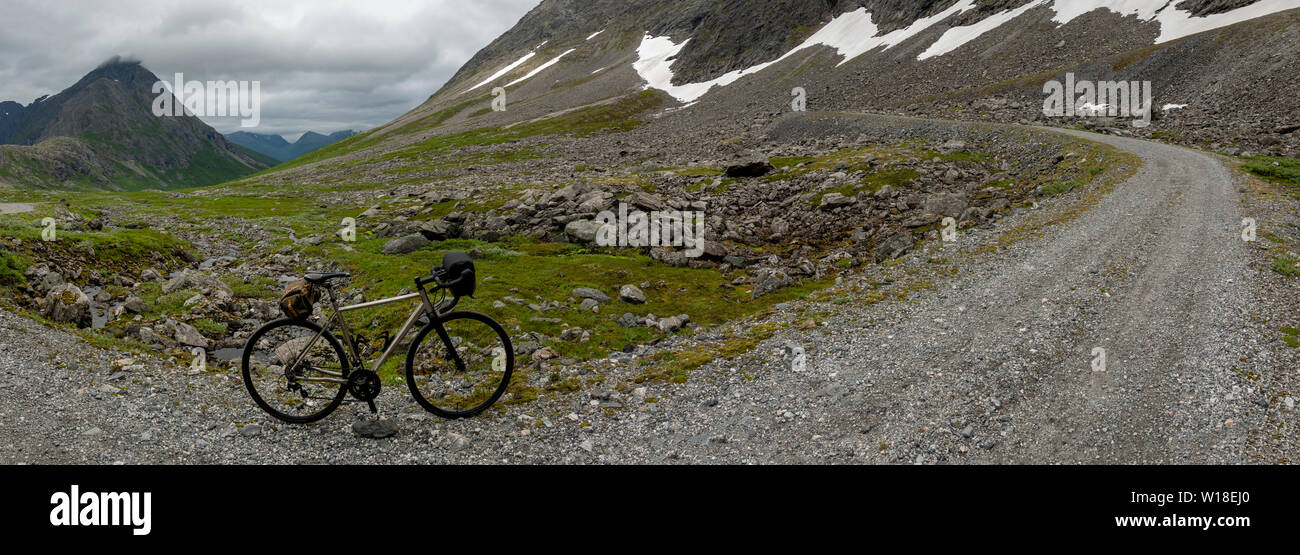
{"x": 991, "y": 365}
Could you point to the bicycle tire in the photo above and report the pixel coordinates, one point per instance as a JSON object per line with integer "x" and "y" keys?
{"x": 252, "y": 389}
{"x": 414, "y": 350}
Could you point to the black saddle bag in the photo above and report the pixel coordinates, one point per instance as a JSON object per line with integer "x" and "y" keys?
{"x": 455, "y": 264}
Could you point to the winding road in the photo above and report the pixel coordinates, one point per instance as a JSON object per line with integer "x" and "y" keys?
{"x": 1001, "y": 364}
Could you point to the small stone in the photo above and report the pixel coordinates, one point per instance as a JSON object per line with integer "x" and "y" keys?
{"x": 250, "y": 430}
{"x": 456, "y": 442}
{"x": 375, "y": 429}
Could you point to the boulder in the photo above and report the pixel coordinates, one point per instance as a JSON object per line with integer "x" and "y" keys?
{"x": 590, "y": 304}
{"x": 895, "y": 246}
{"x": 831, "y": 201}
{"x": 49, "y": 281}
{"x": 631, "y": 294}
{"x": 946, "y": 204}
{"x": 589, "y": 293}
{"x": 135, "y": 305}
{"x": 646, "y": 201}
{"x": 670, "y": 256}
{"x": 405, "y": 244}
{"x": 198, "y": 281}
{"x": 670, "y": 324}
{"x": 582, "y": 231}
{"x": 439, "y": 230}
{"x": 188, "y": 335}
{"x": 769, "y": 284}
{"x": 67, "y": 304}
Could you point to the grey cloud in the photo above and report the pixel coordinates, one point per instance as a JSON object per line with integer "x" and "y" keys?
{"x": 325, "y": 65}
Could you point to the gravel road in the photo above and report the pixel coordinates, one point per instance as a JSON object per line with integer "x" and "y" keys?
{"x": 998, "y": 364}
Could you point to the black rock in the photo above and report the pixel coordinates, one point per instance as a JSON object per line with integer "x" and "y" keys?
{"x": 375, "y": 429}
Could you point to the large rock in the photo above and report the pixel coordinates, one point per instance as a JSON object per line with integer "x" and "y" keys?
{"x": 769, "y": 284}
{"x": 646, "y": 201}
{"x": 188, "y": 335}
{"x": 895, "y": 246}
{"x": 670, "y": 256}
{"x": 198, "y": 281}
{"x": 67, "y": 304}
{"x": 631, "y": 294}
{"x": 831, "y": 201}
{"x": 946, "y": 204}
{"x": 582, "y": 231}
{"x": 151, "y": 337}
{"x": 589, "y": 293}
{"x": 439, "y": 230}
{"x": 405, "y": 244}
{"x": 135, "y": 305}
{"x": 573, "y": 192}
{"x": 49, "y": 281}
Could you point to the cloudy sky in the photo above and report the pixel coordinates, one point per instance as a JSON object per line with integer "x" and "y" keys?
{"x": 325, "y": 65}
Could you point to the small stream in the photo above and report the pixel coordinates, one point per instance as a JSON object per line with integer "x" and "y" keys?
{"x": 98, "y": 311}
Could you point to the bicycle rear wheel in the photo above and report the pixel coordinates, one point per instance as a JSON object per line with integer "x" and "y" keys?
{"x": 289, "y": 393}
{"x": 459, "y": 365}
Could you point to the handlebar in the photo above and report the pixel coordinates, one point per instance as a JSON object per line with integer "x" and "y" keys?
{"x": 436, "y": 278}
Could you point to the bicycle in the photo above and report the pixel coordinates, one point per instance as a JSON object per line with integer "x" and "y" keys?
{"x": 298, "y": 372}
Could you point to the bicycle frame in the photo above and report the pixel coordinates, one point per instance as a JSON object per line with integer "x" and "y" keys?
{"x": 425, "y": 307}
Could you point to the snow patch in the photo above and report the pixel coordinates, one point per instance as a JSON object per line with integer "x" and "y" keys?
{"x": 503, "y": 71}
{"x": 540, "y": 68}
{"x": 1174, "y": 23}
{"x": 1168, "y": 107}
{"x": 853, "y": 34}
{"x": 955, "y": 37}
{"x": 593, "y": 35}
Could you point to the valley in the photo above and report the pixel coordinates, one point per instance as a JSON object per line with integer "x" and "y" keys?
{"x": 918, "y": 264}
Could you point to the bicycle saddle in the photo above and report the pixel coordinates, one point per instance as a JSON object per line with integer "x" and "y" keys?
{"x": 322, "y": 277}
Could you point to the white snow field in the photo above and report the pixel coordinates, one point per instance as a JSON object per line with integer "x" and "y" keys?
{"x": 853, "y": 34}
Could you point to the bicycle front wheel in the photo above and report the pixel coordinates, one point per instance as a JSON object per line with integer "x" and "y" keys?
{"x": 460, "y": 364}
{"x": 291, "y": 380}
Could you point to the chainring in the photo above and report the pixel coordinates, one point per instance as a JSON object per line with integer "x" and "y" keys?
{"x": 364, "y": 385}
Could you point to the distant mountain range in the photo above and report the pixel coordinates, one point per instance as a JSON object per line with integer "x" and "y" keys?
{"x": 276, "y": 147}
{"x": 101, "y": 132}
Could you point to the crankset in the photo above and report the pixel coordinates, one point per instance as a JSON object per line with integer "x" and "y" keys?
{"x": 365, "y": 385}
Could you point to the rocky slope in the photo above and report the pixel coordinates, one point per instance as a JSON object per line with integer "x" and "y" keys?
{"x": 101, "y": 132}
